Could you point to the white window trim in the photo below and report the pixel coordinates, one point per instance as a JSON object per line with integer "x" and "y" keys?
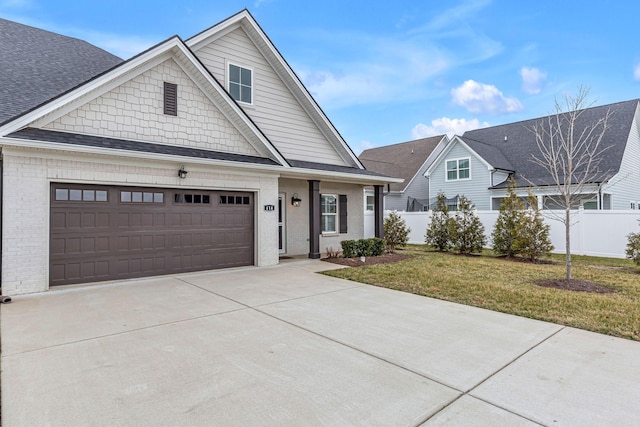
{"x": 227, "y": 82}
{"x": 457, "y": 160}
{"x": 366, "y": 205}
{"x": 336, "y": 214}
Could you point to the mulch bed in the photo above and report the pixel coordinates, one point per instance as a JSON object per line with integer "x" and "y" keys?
{"x": 370, "y": 260}
{"x": 574, "y": 285}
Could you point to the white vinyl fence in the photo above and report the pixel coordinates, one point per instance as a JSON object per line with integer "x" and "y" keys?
{"x": 597, "y": 233}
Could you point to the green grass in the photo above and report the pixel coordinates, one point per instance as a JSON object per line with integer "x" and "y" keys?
{"x": 501, "y": 285}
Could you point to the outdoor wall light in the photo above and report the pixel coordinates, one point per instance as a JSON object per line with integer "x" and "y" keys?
{"x": 182, "y": 173}
{"x": 295, "y": 200}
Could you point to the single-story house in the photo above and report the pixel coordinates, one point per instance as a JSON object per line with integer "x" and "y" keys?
{"x": 408, "y": 161}
{"x": 480, "y": 163}
{"x": 193, "y": 155}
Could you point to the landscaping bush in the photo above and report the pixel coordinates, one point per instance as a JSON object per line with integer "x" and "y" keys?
{"x": 363, "y": 247}
{"x": 633, "y": 247}
{"x": 506, "y": 228}
{"x": 396, "y": 232}
{"x": 532, "y": 239}
{"x": 439, "y": 230}
{"x": 376, "y": 246}
{"x": 349, "y": 248}
{"x": 467, "y": 232}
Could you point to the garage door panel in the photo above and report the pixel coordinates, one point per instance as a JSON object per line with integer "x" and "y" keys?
{"x": 159, "y": 242}
{"x": 136, "y": 232}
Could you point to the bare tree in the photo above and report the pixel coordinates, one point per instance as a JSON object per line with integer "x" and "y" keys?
{"x": 570, "y": 151}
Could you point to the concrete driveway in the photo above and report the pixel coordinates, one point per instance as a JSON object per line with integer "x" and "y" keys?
{"x": 286, "y": 346}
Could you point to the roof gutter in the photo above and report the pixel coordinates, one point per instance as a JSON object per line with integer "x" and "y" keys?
{"x": 289, "y": 172}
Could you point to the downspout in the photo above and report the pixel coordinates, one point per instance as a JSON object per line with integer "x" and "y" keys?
{"x": 599, "y": 196}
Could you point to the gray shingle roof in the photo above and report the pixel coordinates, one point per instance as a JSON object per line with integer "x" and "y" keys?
{"x": 37, "y": 65}
{"x": 145, "y": 147}
{"x": 333, "y": 168}
{"x": 515, "y": 153}
{"x": 401, "y": 160}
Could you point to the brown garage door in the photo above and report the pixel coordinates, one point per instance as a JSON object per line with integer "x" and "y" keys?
{"x": 106, "y": 233}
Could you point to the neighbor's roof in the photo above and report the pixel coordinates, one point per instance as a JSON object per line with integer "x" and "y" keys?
{"x": 511, "y": 146}
{"x": 401, "y": 160}
{"x": 37, "y": 65}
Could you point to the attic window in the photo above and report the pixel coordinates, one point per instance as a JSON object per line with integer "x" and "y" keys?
{"x": 170, "y": 99}
{"x": 241, "y": 83}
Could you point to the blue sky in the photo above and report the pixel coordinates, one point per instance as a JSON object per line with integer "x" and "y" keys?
{"x": 388, "y": 72}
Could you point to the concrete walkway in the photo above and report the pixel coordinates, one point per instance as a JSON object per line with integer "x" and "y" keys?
{"x": 286, "y": 346}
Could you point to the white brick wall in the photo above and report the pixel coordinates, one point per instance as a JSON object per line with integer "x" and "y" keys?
{"x": 135, "y": 111}
{"x": 27, "y": 177}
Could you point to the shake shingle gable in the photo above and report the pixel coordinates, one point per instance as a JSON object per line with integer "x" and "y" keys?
{"x": 511, "y": 146}
{"x": 37, "y": 65}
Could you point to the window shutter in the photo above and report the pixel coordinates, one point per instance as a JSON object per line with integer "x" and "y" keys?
{"x": 342, "y": 208}
{"x": 170, "y": 99}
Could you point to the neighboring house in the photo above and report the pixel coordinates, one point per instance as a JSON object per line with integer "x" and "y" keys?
{"x": 479, "y": 164}
{"x": 409, "y": 161}
{"x": 193, "y": 155}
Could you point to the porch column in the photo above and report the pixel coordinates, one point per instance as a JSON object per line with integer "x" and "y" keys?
{"x": 314, "y": 219}
{"x": 378, "y": 203}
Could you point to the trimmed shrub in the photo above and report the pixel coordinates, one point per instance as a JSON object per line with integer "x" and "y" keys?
{"x": 396, "y": 232}
{"x": 363, "y": 247}
{"x": 467, "y": 232}
{"x": 349, "y": 248}
{"x": 633, "y": 247}
{"x": 439, "y": 229}
{"x": 375, "y": 246}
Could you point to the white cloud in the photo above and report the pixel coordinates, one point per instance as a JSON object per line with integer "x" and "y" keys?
{"x": 345, "y": 68}
{"x": 532, "y": 80}
{"x": 378, "y": 70}
{"x": 19, "y": 4}
{"x": 457, "y": 14}
{"x": 483, "y": 98}
{"x": 446, "y": 125}
{"x": 362, "y": 145}
{"x": 636, "y": 72}
{"x": 259, "y": 3}
{"x": 123, "y": 46}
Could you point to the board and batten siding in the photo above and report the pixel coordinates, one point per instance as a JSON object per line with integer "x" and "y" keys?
{"x": 624, "y": 187}
{"x": 475, "y": 189}
{"x": 275, "y": 110}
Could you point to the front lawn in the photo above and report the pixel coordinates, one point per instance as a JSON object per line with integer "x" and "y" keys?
{"x": 508, "y": 286}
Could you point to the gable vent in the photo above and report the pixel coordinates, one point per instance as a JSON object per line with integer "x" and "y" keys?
{"x": 170, "y": 99}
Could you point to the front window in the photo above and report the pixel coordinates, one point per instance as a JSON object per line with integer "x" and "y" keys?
{"x": 329, "y": 211}
{"x": 458, "y": 169}
{"x": 241, "y": 83}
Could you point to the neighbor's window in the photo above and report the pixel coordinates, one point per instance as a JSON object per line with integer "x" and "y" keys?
{"x": 458, "y": 169}
{"x": 241, "y": 83}
{"x": 329, "y": 211}
{"x": 370, "y": 203}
